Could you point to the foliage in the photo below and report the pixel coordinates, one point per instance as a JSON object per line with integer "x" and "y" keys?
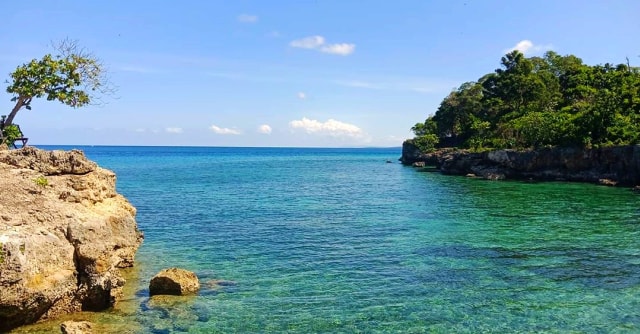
{"x": 539, "y": 101}
{"x": 41, "y": 181}
{"x": 10, "y": 133}
{"x": 427, "y": 142}
{"x": 72, "y": 77}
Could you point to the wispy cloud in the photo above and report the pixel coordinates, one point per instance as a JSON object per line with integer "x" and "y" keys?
{"x": 224, "y": 131}
{"x": 265, "y": 129}
{"x": 331, "y": 127}
{"x": 311, "y": 42}
{"x": 527, "y": 47}
{"x": 359, "y": 84}
{"x": 247, "y": 18}
{"x": 173, "y": 130}
{"x": 318, "y": 43}
{"x": 425, "y": 86}
{"x": 274, "y": 34}
{"x": 342, "y": 49}
{"x": 135, "y": 69}
{"x": 302, "y": 95}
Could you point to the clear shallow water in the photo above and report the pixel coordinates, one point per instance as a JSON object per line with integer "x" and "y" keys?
{"x": 337, "y": 240}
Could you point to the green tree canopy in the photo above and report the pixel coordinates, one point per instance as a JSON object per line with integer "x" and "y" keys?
{"x": 530, "y": 102}
{"x": 72, "y": 76}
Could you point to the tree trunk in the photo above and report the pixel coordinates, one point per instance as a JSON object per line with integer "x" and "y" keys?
{"x": 19, "y": 104}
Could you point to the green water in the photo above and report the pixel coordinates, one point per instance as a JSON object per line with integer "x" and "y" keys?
{"x": 339, "y": 241}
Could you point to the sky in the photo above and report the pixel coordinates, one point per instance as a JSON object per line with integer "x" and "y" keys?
{"x": 285, "y": 73}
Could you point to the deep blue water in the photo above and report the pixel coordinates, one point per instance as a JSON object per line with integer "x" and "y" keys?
{"x": 337, "y": 240}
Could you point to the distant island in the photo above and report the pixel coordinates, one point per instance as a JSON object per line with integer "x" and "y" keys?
{"x": 550, "y": 117}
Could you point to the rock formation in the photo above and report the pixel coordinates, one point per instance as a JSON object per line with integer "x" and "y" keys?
{"x": 609, "y": 165}
{"x": 64, "y": 234}
{"x": 76, "y": 327}
{"x": 174, "y": 281}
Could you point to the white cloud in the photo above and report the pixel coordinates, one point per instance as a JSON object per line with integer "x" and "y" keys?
{"x": 302, "y": 95}
{"x": 264, "y": 129}
{"x": 331, "y": 127}
{"x": 342, "y": 49}
{"x": 318, "y": 43}
{"x": 526, "y": 47}
{"x": 224, "y": 131}
{"x": 247, "y": 18}
{"x": 173, "y": 130}
{"x": 140, "y": 130}
{"x": 311, "y": 42}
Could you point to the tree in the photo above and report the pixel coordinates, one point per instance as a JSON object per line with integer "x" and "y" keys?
{"x": 73, "y": 76}
{"x": 539, "y": 101}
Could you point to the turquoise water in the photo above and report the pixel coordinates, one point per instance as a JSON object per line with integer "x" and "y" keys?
{"x": 337, "y": 240}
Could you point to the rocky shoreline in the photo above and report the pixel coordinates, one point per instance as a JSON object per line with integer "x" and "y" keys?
{"x": 65, "y": 233}
{"x": 610, "y": 165}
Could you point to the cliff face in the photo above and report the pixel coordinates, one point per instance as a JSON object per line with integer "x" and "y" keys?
{"x": 613, "y": 165}
{"x": 64, "y": 234}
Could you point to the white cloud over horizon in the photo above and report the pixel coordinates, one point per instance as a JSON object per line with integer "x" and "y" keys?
{"x": 247, "y": 18}
{"x": 527, "y": 47}
{"x": 173, "y": 130}
{"x": 331, "y": 128}
{"x": 265, "y": 129}
{"x": 224, "y": 131}
{"x": 318, "y": 43}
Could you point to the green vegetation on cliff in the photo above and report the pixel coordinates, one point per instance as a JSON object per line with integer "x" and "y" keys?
{"x": 539, "y": 101}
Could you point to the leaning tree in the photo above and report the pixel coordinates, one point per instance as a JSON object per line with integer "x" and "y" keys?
{"x": 73, "y": 76}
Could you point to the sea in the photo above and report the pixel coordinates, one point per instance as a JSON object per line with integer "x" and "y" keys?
{"x": 327, "y": 240}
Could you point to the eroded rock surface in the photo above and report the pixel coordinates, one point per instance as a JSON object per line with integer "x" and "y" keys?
{"x": 609, "y": 165}
{"x": 174, "y": 281}
{"x": 76, "y": 327}
{"x": 64, "y": 234}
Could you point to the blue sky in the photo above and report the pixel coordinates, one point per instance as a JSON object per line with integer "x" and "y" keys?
{"x": 328, "y": 73}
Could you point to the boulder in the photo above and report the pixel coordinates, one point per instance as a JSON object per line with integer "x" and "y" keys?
{"x": 76, "y": 327}
{"x": 174, "y": 281}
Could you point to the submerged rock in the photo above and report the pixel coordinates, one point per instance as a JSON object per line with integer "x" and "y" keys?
{"x": 64, "y": 234}
{"x": 174, "y": 281}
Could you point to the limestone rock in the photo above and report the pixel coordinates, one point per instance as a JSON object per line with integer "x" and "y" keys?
{"x": 55, "y": 162}
{"x": 613, "y": 165}
{"x": 174, "y": 281}
{"x": 64, "y": 234}
{"x": 607, "y": 182}
{"x": 76, "y": 327}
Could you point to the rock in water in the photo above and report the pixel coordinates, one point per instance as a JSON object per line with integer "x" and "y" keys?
{"x": 64, "y": 234}
{"x": 174, "y": 281}
{"x": 76, "y": 327}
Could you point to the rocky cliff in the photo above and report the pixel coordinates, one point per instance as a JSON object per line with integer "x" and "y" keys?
{"x": 611, "y": 165}
{"x": 64, "y": 234}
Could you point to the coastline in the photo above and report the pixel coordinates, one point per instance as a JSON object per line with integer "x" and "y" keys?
{"x": 613, "y": 166}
